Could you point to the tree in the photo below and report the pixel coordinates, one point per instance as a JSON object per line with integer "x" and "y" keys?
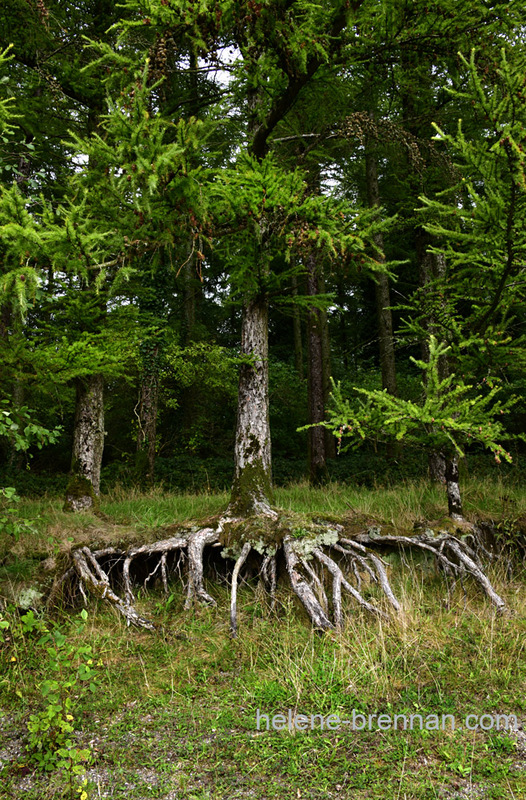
{"x": 52, "y": 96}
{"x": 448, "y": 417}
{"x": 97, "y": 236}
{"x": 482, "y": 222}
{"x": 483, "y": 234}
{"x": 264, "y": 223}
{"x": 283, "y": 218}
{"x": 478, "y": 222}
{"x": 18, "y": 427}
{"x": 417, "y": 64}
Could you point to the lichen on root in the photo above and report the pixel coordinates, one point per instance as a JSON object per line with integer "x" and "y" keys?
{"x": 317, "y": 557}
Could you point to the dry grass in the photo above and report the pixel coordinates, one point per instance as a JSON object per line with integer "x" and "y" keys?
{"x": 174, "y": 715}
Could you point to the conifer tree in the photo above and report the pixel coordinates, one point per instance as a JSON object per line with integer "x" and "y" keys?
{"x": 449, "y": 416}
{"x": 108, "y": 219}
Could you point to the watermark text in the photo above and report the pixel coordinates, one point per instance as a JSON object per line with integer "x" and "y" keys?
{"x": 383, "y": 722}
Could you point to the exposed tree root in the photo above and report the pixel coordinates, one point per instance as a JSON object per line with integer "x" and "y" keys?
{"x": 233, "y": 597}
{"x": 336, "y": 572}
{"x": 318, "y": 557}
{"x": 454, "y": 556}
{"x": 196, "y": 544}
{"x": 302, "y": 588}
{"x": 92, "y": 576}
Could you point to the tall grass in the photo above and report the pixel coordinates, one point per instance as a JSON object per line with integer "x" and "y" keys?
{"x": 143, "y": 513}
{"x": 406, "y": 503}
{"x": 174, "y": 715}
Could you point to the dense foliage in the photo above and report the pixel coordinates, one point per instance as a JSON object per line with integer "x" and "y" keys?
{"x": 166, "y": 166}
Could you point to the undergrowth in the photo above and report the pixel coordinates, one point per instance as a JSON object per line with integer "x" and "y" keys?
{"x": 173, "y": 714}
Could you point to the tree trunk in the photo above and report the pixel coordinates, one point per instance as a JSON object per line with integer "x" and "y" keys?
{"x": 296, "y": 322}
{"x": 10, "y": 334}
{"x": 88, "y": 445}
{"x": 382, "y": 292}
{"x": 192, "y": 291}
{"x": 437, "y": 466}
{"x": 454, "y": 501}
{"x": 16, "y": 457}
{"x": 385, "y": 334}
{"x": 316, "y": 394}
{"x": 147, "y": 417}
{"x": 252, "y": 486}
{"x": 432, "y": 266}
{"x": 344, "y": 346}
{"x": 330, "y": 439}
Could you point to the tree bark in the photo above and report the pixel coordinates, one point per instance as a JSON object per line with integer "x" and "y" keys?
{"x": 431, "y": 267}
{"x": 454, "y": 501}
{"x": 192, "y": 296}
{"x": 381, "y": 286}
{"x": 147, "y": 418}
{"x": 316, "y": 393}
{"x": 296, "y": 322}
{"x": 330, "y": 439}
{"x": 16, "y": 457}
{"x": 10, "y": 334}
{"x": 252, "y": 486}
{"x": 88, "y": 444}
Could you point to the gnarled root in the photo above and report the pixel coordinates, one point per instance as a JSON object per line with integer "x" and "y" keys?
{"x": 303, "y": 589}
{"x": 336, "y": 572}
{"x": 233, "y": 596}
{"x": 323, "y": 557}
{"x": 97, "y": 581}
{"x": 163, "y": 547}
{"x": 91, "y": 575}
{"x": 269, "y": 573}
{"x": 453, "y": 555}
{"x": 196, "y": 544}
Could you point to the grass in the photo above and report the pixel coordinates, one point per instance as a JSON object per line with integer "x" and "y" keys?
{"x": 400, "y": 506}
{"x": 174, "y": 713}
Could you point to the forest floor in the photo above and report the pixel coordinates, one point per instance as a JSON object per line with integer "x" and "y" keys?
{"x": 174, "y": 714}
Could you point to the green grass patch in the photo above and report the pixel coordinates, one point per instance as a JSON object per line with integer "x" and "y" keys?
{"x": 174, "y": 714}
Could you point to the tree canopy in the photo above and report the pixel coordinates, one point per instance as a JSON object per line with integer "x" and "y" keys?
{"x": 233, "y": 184}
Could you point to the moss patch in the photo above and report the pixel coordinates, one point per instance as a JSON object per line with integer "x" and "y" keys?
{"x": 253, "y": 485}
{"x": 80, "y": 494}
{"x": 266, "y": 534}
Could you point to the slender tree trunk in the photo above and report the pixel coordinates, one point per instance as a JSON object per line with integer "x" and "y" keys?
{"x": 88, "y": 444}
{"x": 432, "y": 266}
{"x": 190, "y": 395}
{"x": 10, "y": 333}
{"x": 16, "y": 457}
{"x": 344, "y": 345}
{"x": 147, "y": 417}
{"x": 252, "y": 486}
{"x": 437, "y": 466}
{"x": 454, "y": 501}
{"x": 296, "y": 322}
{"x": 316, "y": 393}
{"x": 189, "y": 298}
{"x": 82, "y": 491}
{"x": 330, "y": 440}
{"x": 381, "y": 287}
{"x": 443, "y": 468}
{"x": 385, "y": 330}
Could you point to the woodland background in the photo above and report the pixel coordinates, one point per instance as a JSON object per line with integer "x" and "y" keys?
{"x": 169, "y": 171}
{"x": 133, "y": 192}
